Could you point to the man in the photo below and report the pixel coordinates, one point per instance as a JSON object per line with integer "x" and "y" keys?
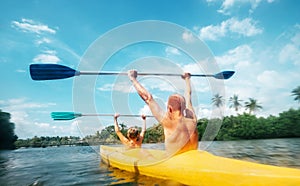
{"x": 133, "y": 139}
{"x": 179, "y": 122}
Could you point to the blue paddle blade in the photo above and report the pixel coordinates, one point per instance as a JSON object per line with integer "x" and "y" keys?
{"x": 65, "y": 115}
{"x": 51, "y": 71}
{"x": 224, "y": 75}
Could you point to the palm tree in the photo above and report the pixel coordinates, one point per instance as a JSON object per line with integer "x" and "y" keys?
{"x": 235, "y": 102}
{"x": 296, "y": 93}
{"x": 217, "y": 100}
{"x": 252, "y": 105}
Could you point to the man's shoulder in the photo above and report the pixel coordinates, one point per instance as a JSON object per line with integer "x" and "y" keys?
{"x": 168, "y": 123}
{"x": 189, "y": 114}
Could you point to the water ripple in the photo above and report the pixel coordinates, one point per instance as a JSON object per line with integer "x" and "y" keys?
{"x": 82, "y": 165}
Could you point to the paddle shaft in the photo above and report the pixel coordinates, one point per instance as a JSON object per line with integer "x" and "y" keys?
{"x": 73, "y": 115}
{"x": 124, "y": 115}
{"x": 139, "y": 74}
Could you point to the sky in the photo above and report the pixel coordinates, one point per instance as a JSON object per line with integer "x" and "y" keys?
{"x": 258, "y": 39}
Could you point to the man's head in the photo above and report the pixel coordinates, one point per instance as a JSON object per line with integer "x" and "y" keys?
{"x": 132, "y": 133}
{"x": 176, "y": 102}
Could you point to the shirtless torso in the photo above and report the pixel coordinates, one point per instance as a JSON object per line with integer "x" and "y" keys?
{"x": 179, "y": 122}
{"x": 134, "y": 139}
{"x": 180, "y": 135}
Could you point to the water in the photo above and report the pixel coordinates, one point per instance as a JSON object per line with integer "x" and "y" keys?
{"x": 82, "y": 165}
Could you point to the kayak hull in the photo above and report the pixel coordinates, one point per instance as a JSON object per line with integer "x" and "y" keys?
{"x": 197, "y": 167}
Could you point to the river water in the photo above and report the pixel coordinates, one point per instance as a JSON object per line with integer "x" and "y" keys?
{"x": 82, "y": 165}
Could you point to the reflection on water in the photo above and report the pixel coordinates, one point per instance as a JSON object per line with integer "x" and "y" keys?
{"x": 279, "y": 152}
{"x": 128, "y": 178}
{"x": 80, "y": 165}
{"x": 52, "y": 166}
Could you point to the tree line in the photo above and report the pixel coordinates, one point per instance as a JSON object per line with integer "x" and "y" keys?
{"x": 49, "y": 141}
{"x": 242, "y": 126}
{"x": 7, "y": 133}
{"x": 247, "y": 126}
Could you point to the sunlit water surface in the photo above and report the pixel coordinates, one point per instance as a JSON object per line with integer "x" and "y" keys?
{"x": 82, "y": 165}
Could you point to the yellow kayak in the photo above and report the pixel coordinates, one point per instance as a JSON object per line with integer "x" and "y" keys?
{"x": 198, "y": 168}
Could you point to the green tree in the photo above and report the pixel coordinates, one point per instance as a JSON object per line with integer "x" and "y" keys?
{"x": 7, "y": 134}
{"x": 201, "y": 126}
{"x": 36, "y": 142}
{"x": 296, "y": 93}
{"x": 252, "y": 105}
{"x": 288, "y": 123}
{"x": 226, "y": 130}
{"x": 235, "y": 102}
{"x": 217, "y": 100}
{"x": 154, "y": 134}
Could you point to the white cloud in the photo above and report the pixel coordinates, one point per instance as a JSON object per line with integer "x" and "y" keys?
{"x": 241, "y": 60}
{"x": 145, "y": 110}
{"x": 237, "y": 56}
{"x": 188, "y": 37}
{"x": 124, "y": 87}
{"x": 209, "y": 1}
{"x": 50, "y": 129}
{"x": 21, "y": 71}
{"x": 228, "y": 6}
{"x": 172, "y": 51}
{"x": 192, "y": 68}
{"x": 204, "y": 113}
{"x": 271, "y": 79}
{"x": 106, "y": 87}
{"x": 151, "y": 83}
{"x": 22, "y": 104}
{"x": 24, "y": 114}
{"x": 246, "y": 27}
{"x": 274, "y": 91}
{"x": 296, "y": 38}
{"x": 43, "y": 40}
{"x": 290, "y": 52}
{"x": 213, "y": 32}
{"x": 198, "y": 86}
{"x": 44, "y": 36}
{"x": 42, "y": 125}
{"x": 259, "y": 76}
{"x": 48, "y": 56}
{"x": 28, "y": 25}
{"x": 162, "y": 84}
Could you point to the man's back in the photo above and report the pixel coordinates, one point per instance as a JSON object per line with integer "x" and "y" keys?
{"x": 180, "y": 134}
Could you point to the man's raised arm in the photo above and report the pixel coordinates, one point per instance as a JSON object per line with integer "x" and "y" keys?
{"x": 188, "y": 92}
{"x": 146, "y": 96}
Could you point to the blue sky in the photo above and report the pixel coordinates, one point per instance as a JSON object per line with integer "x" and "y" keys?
{"x": 260, "y": 40}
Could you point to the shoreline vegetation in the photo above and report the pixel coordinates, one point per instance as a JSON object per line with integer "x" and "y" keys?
{"x": 241, "y": 127}
{"x": 244, "y": 126}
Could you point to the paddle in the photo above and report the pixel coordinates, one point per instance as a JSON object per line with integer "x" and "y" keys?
{"x": 73, "y": 115}
{"x": 54, "y": 71}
